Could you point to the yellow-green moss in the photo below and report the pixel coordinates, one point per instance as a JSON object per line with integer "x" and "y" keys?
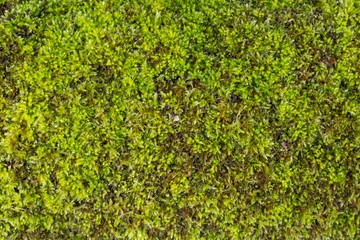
{"x": 156, "y": 119}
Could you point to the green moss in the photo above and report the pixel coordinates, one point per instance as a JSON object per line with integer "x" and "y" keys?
{"x": 179, "y": 119}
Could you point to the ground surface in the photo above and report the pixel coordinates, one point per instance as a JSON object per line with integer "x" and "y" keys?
{"x": 179, "y": 119}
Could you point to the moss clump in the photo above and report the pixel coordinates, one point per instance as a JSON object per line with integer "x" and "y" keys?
{"x": 179, "y": 119}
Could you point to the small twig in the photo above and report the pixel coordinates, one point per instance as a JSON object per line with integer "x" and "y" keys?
{"x": 290, "y": 147}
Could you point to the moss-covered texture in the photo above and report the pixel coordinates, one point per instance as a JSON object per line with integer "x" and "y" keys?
{"x": 179, "y": 119}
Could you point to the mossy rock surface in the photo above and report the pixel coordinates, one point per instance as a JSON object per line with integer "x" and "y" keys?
{"x": 154, "y": 119}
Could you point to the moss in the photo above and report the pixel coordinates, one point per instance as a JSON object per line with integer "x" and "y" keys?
{"x": 179, "y": 119}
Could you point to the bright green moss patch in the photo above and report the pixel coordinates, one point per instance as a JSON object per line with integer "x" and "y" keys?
{"x": 178, "y": 119}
